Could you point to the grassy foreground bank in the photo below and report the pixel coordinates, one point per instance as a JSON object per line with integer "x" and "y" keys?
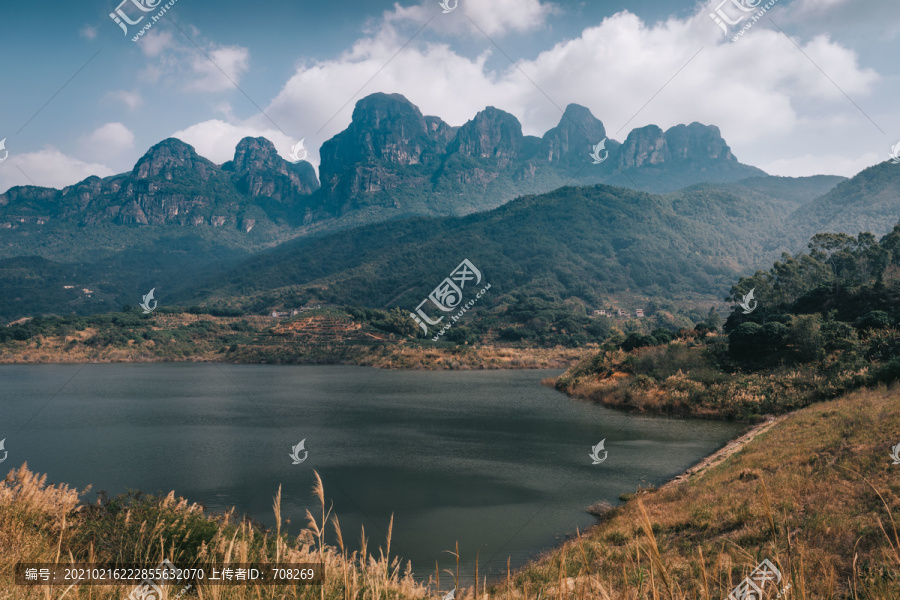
{"x": 816, "y": 494}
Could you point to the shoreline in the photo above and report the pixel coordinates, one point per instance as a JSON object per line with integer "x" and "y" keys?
{"x": 703, "y": 465}
{"x": 397, "y": 357}
{"x": 716, "y": 458}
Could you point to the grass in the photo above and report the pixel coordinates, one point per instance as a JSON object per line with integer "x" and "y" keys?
{"x": 327, "y": 336}
{"x": 686, "y": 380}
{"x": 816, "y": 494}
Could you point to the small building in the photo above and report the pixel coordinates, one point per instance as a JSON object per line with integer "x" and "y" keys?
{"x": 622, "y": 313}
{"x": 68, "y": 287}
{"x": 639, "y": 312}
{"x": 600, "y": 313}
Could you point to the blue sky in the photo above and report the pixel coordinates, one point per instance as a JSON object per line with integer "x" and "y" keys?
{"x": 809, "y": 89}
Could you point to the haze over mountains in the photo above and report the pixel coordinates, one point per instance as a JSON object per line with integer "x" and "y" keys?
{"x": 177, "y": 218}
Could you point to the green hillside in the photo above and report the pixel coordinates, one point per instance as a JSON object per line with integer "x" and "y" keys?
{"x": 870, "y": 201}
{"x": 587, "y": 243}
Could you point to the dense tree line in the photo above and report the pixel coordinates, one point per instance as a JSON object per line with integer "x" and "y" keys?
{"x": 839, "y": 299}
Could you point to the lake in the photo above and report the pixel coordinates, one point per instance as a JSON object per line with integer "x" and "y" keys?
{"x": 490, "y": 459}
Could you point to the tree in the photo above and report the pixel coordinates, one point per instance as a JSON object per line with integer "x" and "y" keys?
{"x": 746, "y": 341}
{"x": 713, "y": 319}
{"x": 399, "y": 321}
{"x": 806, "y": 336}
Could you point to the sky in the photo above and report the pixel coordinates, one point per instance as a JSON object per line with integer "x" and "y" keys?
{"x": 808, "y": 87}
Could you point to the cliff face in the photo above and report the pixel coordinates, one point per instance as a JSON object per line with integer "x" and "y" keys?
{"x": 644, "y": 146}
{"x": 493, "y": 135}
{"x": 172, "y": 184}
{"x": 169, "y": 184}
{"x": 701, "y": 144}
{"x": 572, "y": 140}
{"x": 697, "y": 145}
{"x": 391, "y": 161}
{"x": 262, "y": 172}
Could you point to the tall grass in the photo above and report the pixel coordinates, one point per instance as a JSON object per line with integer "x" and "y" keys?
{"x": 815, "y": 495}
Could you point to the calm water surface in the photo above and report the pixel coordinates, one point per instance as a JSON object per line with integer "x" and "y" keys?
{"x": 491, "y": 459}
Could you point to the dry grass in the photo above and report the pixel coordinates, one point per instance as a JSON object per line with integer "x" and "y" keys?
{"x": 327, "y": 348}
{"x": 679, "y": 379}
{"x": 816, "y": 494}
{"x": 41, "y": 523}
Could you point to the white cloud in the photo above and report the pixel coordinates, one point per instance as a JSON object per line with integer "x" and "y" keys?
{"x": 88, "y": 32}
{"x": 106, "y": 143}
{"x": 762, "y": 92}
{"x": 155, "y": 42}
{"x": 501, "y": 16}
{"x": 494, "y": 18}
{"x": 221, "y": 71}
{"x": 133, "y": 100}
{"x": 751, "y": 89}
{"x": 216, "y": 139}
{"x": 215, "y": 69}
{"x": 47, "y": 168}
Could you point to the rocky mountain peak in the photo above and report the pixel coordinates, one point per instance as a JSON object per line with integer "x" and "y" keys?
{"x": 644, "y": 146}
{"x": 262, "y": 172}
{"x": 698, "y": 143}
{"x": 254, "y": 154}
{"x": 578, "y": 131}
{"x": 386, "y": 131}
{"x": 493, "y": 133}
{"x": 171, "y": 157}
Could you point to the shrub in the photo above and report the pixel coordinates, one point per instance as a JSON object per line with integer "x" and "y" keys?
{"x": 746, "y": 340}
{"x": 876, "y": 319}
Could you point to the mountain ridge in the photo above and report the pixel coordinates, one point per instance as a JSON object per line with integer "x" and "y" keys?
{"x": 391, "y": 161}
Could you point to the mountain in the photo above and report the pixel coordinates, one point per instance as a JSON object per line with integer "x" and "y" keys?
{"x": 172, "y": 184}
{"x": 795, "y": 190}
{"x": 592, "y": 243}
{"x": 391, "y": 161}
{"x": 869, "y": 201}
{"x": 394, "y": 161}
{"x": 762, "y": 204}
{"x": 177, "y": 218}
{"x": 276, "y": 185}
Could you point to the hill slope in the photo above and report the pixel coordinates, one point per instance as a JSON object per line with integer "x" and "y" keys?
{"x": 589, "y": 243}
{"x": 869, "y": 201}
